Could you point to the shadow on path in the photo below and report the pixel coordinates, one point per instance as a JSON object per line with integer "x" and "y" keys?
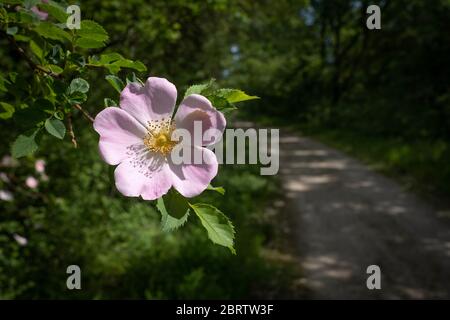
{"x": 345, "y": 217}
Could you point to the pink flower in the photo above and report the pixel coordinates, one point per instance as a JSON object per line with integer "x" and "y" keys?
{"x": 22, "y": 241}
{"x": 8, "y": 161}
{"x": 31, "y": 182}
{"x": 39, "y": 165}
{"x": 138, "y": 138}
{"x": 6, "y": 195}
{"x": 42, "y": 15}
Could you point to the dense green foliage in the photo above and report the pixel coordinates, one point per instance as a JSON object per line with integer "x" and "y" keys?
{"x": 53, "y": 79}
{"x": 380, "y": 94}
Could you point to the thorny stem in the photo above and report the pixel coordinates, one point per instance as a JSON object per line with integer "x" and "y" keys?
{"x": 85, "y": 113}
{"x": 70, "y": 129}
{"x": 30, "y": 62}
{"x": 35, "y": 66}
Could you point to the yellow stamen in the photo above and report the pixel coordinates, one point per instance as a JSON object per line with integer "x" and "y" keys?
{"x": 158, "y": 138}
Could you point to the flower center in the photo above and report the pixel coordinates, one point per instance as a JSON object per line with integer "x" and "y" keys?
{"x": 159, "y": 136}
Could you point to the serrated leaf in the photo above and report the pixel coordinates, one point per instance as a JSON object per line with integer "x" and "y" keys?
{"x": 234, "y": 95}
{"x": 50, "y": 31}
{"x": 25, "y": 144}
{"x": 219, "y": 227}
{"x": 114, "y": 62}
{"x": 92, "y": 30}
{"x": 221, "y": 104}
{"x": 115, "y": 82}
{"x": 109, "y": 57}
{"x": 78, "y": 85}
{"x": 56, "y": 128}
{"x": 173, "y": 213}
{"x": 202, "y": 89}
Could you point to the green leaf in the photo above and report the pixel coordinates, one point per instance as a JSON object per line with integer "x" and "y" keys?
{"x": 115, "y": 82}
{"x": 219, "y": 227}
{"x": 92, "y": 30}
{"x": 50, "y": 31}
{"x": 29, "y": 117}
{"x": 234, "y": 95}
{"x": 59, "y": 115}
{"x": 36, "y": 50}
{"x": 8, "y": 110}
{"x": 176, "y": 204}
{"x": 221, "y": 103}
{"x": 220, "y": 190}
{"x": 131, "y": 78}
{"x": 114, "y": 62}
{"x": 55, "y": 10}
{"x": 108, "y": 58}
{"x": 21, "y": 37}
{"x": 78, "y": 85}
{"x": 200, "y": 88}
{"x": 12, "y": 1}
{"x": 3, "y": 83}
{"x": 55, "y": 54}
{"x": 109, "y": 103}
{"x": 25, "y": 144}
{"x": 87, "y": 43}
{"x": 174, "y": 210}
{"x": 56, "y": 128}
{"x": 54, "y": 68}
{"x": 91, "y": 35}
{"x": 126, "y": 63}
{"x": 77, "y": 98}
{"x": 12, "y": 30}
{"x": 77, "y": 59}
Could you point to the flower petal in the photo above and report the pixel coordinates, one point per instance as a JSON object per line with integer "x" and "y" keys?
{"x": 153, "y": 101}
{"x": 192, "y": 179}
{"x": 118, "y": 131}
{"x": 196, "y": 107}
{"x": 147, "y": 175}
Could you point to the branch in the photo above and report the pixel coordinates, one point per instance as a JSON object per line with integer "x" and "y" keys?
{"x": 71, "y": 133}
{"x": 30, "y": 62}
{"x": 85, "y": 113}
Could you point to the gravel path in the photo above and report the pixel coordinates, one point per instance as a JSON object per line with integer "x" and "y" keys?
{"x": 346, "y": 217}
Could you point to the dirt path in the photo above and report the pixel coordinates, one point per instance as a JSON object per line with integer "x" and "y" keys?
{"x": 345, "y": 217}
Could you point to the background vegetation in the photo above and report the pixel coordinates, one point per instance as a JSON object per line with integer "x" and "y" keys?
{"x": 382, "y": 95}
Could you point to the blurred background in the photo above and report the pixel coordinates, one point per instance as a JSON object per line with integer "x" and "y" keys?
{"x": 381, "y": 96}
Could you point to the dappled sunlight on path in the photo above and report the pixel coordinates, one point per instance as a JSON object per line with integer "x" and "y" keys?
{"x": 346, "y": 217}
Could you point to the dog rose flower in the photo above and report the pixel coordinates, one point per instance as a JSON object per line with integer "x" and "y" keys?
{"x": 138, "y": 137}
